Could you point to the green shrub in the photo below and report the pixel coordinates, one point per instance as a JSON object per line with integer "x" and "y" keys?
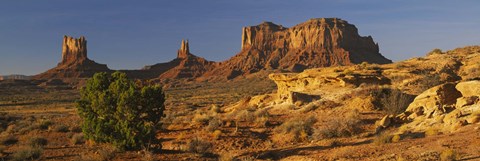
{"x": 28, "y": 153}
{"x": 112, "y": 104}
{"x": 37, "y": 142}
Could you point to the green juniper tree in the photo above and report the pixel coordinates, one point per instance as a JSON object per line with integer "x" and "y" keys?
{"x": 116, "y": 110}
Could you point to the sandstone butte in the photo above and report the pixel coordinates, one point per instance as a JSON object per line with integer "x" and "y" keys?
{"x": 318, "y": 42}
{"x": 74, "y": 63}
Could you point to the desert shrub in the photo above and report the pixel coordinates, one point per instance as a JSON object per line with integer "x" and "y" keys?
{"x": 429, "y": 80}
{"x": 435, "y": 51}
{"x": 44, "y": 124}
{"x": 340, "y": 126}
{"x": 215, "y": 109}
{"x": 28, "y": 153}
{"x": 449, "y": 155}
{"x": 261, "y": 121}
{"x": 77, "y": 139}
{"x": 261, "y": 117}
{"x": 61, "y": 128}
{"x": 395, "y": 101}
{"x": 383, "y": 138}
{"x": 8, "y": 140}
{"x": 296, "y": 129}
{"x": 37, "y": 142}
{"x": 245, "y": 116}
{"x": 199, "y": 146}
{"x": 201, "y": 119}
{"x": 214, "y": 124}
{"x": 107, "y": 152}
{"x": 364, "y": 65}
{"x": 112, "y": 104}
{"x": 148, "y": 155}
{"x": 227, "y": 157}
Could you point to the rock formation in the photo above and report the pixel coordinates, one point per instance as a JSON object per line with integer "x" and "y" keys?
{"x": 190, "y": 66}
{"x": 290, "y": 86}
{"x": 186, "y": 65}
{"x": 316, "y": 43}
{"x": 73, "y": 50}
{"x": 75, "y": 63}
{"x": 445, "y": 108}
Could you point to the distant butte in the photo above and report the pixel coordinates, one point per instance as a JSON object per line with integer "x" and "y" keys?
{"x": 319, "y": 42}
{"x": 75, "y": 63}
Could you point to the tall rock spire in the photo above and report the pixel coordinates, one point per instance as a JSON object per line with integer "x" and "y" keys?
{"x": 184, "y": 50}
{"x": 73, "y": 50}
{"x": 74, "y": 63}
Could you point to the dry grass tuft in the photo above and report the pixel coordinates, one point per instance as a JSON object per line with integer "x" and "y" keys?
{"x": 28, "y": 153}
{"x": 340, "y": 126}
{"x": 199, "y": 146}
{"x": 296, "y": 129}
{"x": 383, "y": 138}
{"x": 37, "y": 142}
{"x": 449, "y": 155}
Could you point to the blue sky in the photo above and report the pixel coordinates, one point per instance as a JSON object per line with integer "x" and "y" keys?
{"x": 130, "y": 34}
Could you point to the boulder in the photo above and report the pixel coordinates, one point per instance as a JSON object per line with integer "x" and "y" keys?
{"x": 470, "y": 88}
{"x": 434, "y": 99}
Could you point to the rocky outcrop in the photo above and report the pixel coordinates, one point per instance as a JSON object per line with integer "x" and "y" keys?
{"x": 313, "y": 79}
{"x": 445, "y": 107}
{"x": 316, "y": 43}
{"x": 75, "y": 63}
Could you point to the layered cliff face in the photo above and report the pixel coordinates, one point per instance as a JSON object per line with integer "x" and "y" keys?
{"x": 315, "y": 43}
{"x": 74, "y": 63}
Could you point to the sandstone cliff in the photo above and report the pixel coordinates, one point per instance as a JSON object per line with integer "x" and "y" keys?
{"x": 316, "y": 43}
{"x": 75, "y": 63}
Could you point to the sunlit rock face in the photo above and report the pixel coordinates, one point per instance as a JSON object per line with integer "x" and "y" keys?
{"x": 318, "y": 42}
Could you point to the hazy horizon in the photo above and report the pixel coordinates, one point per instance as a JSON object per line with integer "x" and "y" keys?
{"x": 130, "y": 35}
